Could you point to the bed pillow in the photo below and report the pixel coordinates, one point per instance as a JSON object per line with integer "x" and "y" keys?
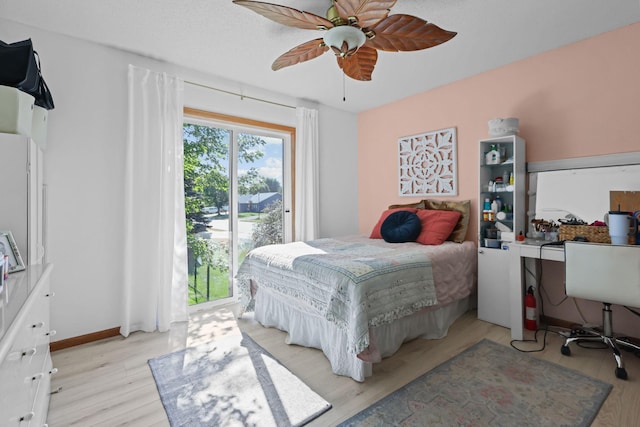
{"x": 401, "y": 227}
{"x": 417, "y": 205}
{"x": 375, "y": 233}
{"x": 436, "y": 225}
{"x": 462, "y": 206}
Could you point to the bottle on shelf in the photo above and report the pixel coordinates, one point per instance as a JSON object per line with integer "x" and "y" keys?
{"x": 493, "y": 156}
{"x": 498, "y": 201}
{"x": 494, "y": 207}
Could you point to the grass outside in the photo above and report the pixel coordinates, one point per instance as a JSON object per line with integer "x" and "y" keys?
{"x": 218, "y": 285}
{"x": 218, "y": 281}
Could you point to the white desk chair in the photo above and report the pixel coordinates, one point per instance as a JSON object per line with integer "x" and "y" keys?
{"x": 602, "y": 272}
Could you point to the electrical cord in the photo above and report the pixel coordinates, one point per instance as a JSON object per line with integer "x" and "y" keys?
{"x": 594, "y": 345}
{"x": 539, "y": 282}
{"x": 535, "y": 340}
{"x": 584, "y": 319}
{"x": 537, "y": 276}
{"x": 632, "y": 310}
{"x": 629, "y": 349}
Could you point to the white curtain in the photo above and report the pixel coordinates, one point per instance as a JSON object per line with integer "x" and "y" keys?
{"x": 155, "y": 243}
{"x": 307, "y": 187}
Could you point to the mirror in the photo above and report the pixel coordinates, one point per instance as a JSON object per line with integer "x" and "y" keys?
{"x": 580, "y": 187}
{"x": 582, "y": 193}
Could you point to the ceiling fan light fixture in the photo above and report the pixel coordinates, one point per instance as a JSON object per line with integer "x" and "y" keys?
{"x": 344, "y": 40}
{"x": 355, "y": 30}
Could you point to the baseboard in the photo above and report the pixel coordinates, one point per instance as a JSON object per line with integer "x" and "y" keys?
{"x": 84, "y": 339}
{"x": 551, "y": 321}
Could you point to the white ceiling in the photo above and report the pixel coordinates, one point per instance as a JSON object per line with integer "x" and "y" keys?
{"x": 220, "y": 38}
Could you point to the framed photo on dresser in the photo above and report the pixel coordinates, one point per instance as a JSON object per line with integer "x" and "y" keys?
{"x": 8, "y": 247}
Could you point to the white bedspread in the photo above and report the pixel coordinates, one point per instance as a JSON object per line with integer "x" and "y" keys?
{"x": 354, "y": 282}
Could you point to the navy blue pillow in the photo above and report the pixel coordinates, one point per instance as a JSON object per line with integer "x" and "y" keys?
{"x": 400, "y": 227}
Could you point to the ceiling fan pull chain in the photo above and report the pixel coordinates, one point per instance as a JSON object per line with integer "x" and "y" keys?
{"x": 344, "y": 87}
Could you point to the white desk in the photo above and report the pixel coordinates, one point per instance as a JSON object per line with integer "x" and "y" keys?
{"x": 519, "y": 253}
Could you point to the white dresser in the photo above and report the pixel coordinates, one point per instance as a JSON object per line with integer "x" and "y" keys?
{"x": 25, "y": 362}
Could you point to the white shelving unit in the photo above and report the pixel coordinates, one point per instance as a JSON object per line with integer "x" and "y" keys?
{"x": 493, "y": 263}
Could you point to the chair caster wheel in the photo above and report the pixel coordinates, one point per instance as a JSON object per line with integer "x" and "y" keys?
{"x": 621, "y": 373}
{"x": 565, "y": 350}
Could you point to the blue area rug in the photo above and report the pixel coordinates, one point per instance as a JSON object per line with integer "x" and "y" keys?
{"x": 232, "y": 382}
{"x": 490, "y": 384}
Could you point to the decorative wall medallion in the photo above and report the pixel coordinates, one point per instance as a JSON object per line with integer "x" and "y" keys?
{"x": 427, "y": 164}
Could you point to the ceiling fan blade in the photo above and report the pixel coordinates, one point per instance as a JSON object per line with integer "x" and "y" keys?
{"x": 304, "y": 52}
{"x": 286, "y": 15}
{"x": 368, "y": 12}
{"x": 359, "y": 66}
{"x": 406, "y": 33}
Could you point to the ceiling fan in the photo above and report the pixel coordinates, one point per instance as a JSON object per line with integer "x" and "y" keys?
{"x": 355, "y": 31}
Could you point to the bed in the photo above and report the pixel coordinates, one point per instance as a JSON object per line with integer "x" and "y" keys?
{"x": 358, "y": 298}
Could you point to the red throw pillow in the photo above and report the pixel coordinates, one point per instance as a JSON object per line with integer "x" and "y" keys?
{"x": 375, "y": 234}
{"x": 437, "y": 225}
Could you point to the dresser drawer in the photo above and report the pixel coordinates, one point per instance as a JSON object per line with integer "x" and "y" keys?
{"x": 25, "y": 362}
{"x": 42, "y": 394}
{"x": 14, "y": 403}
{"x": 15, "y": 373}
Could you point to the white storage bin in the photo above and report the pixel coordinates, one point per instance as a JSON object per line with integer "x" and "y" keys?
{"x": 16, "y": 111}
{"x": 39, "y": 126}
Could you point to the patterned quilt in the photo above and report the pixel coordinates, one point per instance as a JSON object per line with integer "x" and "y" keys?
{"x": 353, "y": 282}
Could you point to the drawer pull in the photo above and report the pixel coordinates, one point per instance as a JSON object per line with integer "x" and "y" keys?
{"x": 51, "y": 333}
{"x": 30, "y": 352}
{"x": 38, "y": 325}
{"x": 50, "y": 294}
{"x": 37, "y": 377}
{"x": 27, "y": 417}
{"x": 53, "y": 371}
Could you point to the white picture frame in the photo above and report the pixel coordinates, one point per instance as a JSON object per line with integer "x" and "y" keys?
{"x": 8, "y": 246}
{"x": 427, "y": 164}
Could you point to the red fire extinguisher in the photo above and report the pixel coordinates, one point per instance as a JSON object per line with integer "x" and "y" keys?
{"x": 530, "y": 319}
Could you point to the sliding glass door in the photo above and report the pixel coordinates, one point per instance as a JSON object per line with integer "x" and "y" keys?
{"x": 237, "y": 192}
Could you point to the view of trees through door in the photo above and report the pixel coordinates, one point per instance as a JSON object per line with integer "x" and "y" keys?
{"x": 235, "y": 183}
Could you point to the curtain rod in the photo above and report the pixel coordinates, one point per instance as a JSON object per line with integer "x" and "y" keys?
{"x": 240, "y": 95}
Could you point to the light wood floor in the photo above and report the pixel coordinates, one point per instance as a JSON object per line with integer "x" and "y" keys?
{"x": 108, "y": 383}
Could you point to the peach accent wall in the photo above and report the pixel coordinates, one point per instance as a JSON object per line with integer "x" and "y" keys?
{"x": 578, "y": 100}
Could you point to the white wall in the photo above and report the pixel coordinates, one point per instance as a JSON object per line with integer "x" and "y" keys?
{"x": 85, "y": 157}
